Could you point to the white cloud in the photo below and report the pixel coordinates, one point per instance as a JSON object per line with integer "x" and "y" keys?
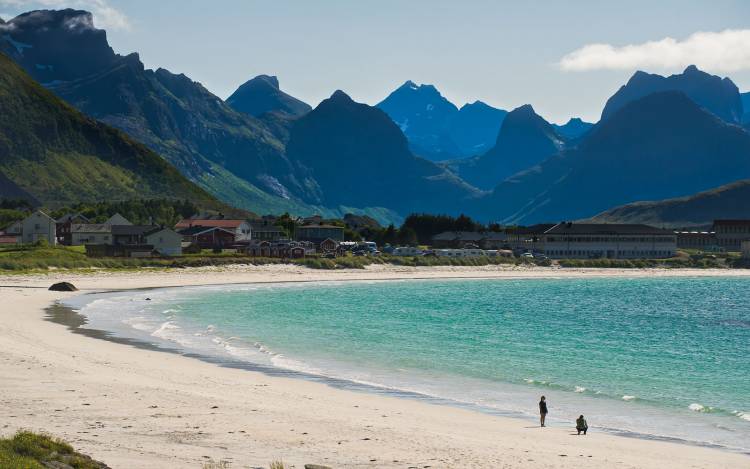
{"x": 105, "y": 15}
{"x": 724, "y": 51}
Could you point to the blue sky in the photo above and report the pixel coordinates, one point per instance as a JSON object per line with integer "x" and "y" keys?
{"x": 506, "y": 53}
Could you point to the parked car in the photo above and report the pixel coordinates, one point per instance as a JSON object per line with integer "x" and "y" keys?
{"x": 527, "y": 255}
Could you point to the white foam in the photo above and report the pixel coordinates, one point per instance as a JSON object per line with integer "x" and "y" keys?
{"x": 580, "y": 389}
{"x": 695, "y": 407}
{"x": 628, "y": 398}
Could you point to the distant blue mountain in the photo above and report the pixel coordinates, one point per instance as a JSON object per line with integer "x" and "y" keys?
{"x": 423, "y": 114}
{"x": 573, "y": 129}
{"x": 435, "y": 128}
{"x": 745, "y": 97}
{"x": 474, "y": 127}
{"x": 525, "y": 139}
{"x": 660, "y": 146}
{"x": 262, "y": 94}
{"x": 718, "y": 95}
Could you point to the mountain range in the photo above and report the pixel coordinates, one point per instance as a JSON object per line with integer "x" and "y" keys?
{"x": 266, "y": 151}
{"x": 525, "y": 140}
{"x": 364, "y": 160}
{"x": 718, "y": 95}
{"x": 660, "y": 146}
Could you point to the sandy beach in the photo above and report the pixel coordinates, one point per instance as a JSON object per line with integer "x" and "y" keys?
{"x": 135, "y": 408}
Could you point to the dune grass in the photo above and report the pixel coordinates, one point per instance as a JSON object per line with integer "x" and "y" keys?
{"x": 29, "y": 450}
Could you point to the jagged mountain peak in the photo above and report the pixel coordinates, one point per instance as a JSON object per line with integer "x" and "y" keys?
{"x": 340, "y": 96}
{"x": 718, "y": 95}
{"x": 57, "y": 45}
{"x": 271, "y": 80}
{"x": 262, "y": 94}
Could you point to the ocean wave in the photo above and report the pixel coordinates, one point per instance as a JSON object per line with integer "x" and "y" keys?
{"x": 166, "y": 331}
{"x": 695, "y": 407}
{"x": 742, "y": 415}
{"x": 579, "y": 389}
{"x": 628, "y": 398}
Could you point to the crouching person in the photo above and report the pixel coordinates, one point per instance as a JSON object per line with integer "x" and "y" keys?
{"x": 581, "y": 425}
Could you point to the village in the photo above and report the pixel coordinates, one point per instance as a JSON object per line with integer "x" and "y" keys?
{"x": 313, "y": 236}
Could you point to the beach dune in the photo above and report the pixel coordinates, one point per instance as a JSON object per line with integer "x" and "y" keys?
{"x": 135, "y": 408}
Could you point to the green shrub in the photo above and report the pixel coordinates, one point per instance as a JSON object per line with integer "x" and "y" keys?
{"x": 32, "y": 450}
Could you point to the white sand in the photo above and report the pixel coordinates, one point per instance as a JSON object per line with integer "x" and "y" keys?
{"x": 135, "y": 408}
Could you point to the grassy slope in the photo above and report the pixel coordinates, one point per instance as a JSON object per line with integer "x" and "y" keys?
{"x": 729, "y": 201}
{"x": 60, "y": 156}
{"x": 243, "y": 194}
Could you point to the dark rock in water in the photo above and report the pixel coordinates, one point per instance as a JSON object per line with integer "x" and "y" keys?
{"x": 316, "y": 466}
{"x": 63, "y": 286}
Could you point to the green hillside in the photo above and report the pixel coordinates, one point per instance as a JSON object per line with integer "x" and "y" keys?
{"x": 725, "y": 202}
{"x": 58, "y": 156}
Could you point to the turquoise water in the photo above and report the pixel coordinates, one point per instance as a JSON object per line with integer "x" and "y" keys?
{"x": 662, "y": 357}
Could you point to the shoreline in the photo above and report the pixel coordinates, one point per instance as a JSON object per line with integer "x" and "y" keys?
{"x": 455, "y": 427}
{"x": 67, "y": 316}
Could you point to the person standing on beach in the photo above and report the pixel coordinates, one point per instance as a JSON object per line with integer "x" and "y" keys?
{"x": 542, "y": 409}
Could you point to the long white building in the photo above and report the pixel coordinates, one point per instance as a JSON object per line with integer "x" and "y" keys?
{"x": 608, "y": 241}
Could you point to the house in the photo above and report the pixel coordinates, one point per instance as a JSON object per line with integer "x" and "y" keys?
{"x": 701, "y": 240}
{"x": 125, "y": 235}
{"x": 39, "y": 227}
{"x": 329, "y": 245}
{"x": 319, "y": 233}
{"x": 65, "y": 224}
{"x": 241, "y": 229}
{"x": 568, "y": 240}
{"x": 208, "y": 237}
{"x": 746, "y": 249}
{"x": 165, "y": 241}
{"x": 279, "y": 249}
{"x": 526, "y": 238}
{"x": 265, "y": 230}
{"x": 90, "y": 233}
{"x": 117, "y": 219}
{"x": 731, "y": 233}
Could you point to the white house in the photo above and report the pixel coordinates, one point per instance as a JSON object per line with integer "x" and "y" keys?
{"x": 746, "y": 249}
{"x": 39, "y": 226}
{"x": 168, "y": 242}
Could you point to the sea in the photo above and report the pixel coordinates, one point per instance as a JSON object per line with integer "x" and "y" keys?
{"x": 658, "y": 358}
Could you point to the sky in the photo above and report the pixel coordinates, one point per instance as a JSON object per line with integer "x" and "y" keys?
{"x": 565, "y": 58}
